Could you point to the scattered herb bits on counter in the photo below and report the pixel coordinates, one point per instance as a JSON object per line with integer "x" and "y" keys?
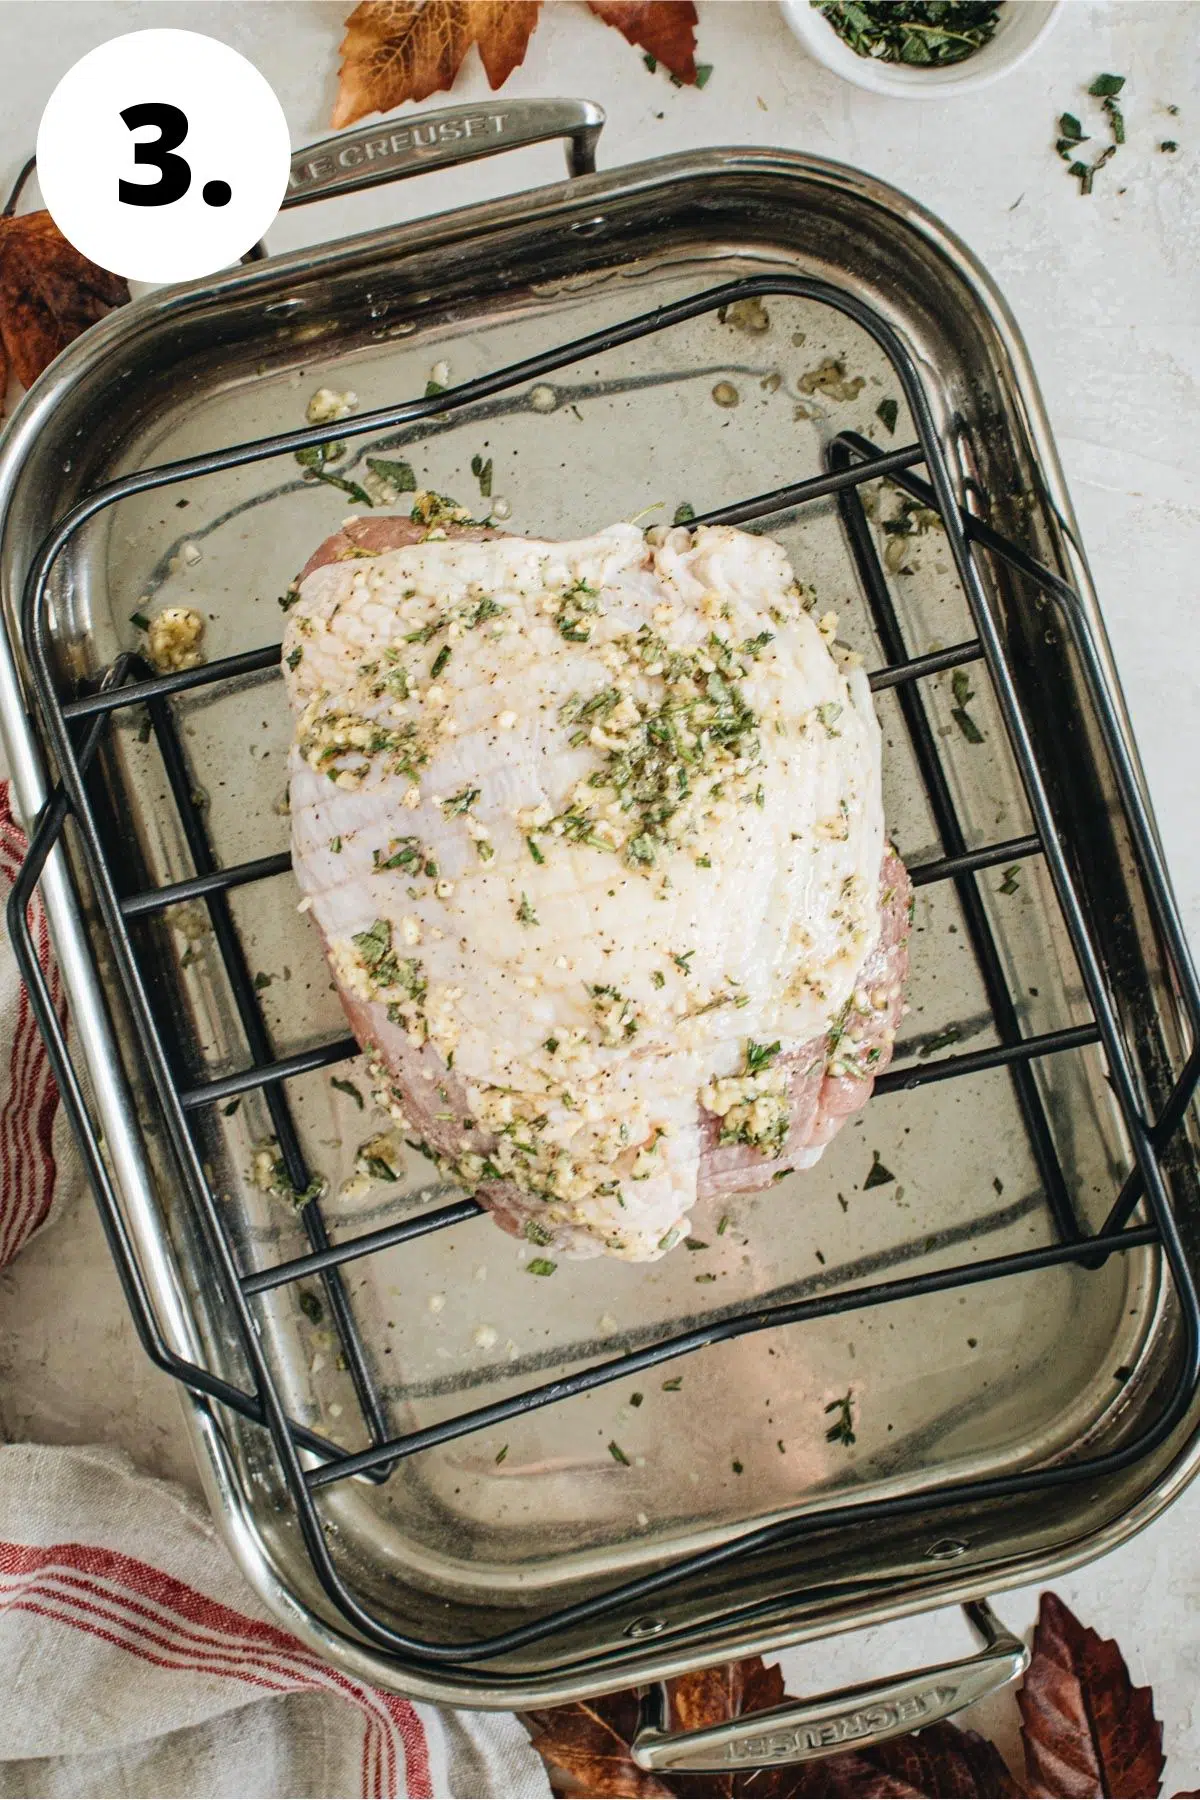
{"x": 922, "y": 33}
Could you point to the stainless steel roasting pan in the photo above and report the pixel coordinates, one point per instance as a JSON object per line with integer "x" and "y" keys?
{"x": 501, "y": 1492}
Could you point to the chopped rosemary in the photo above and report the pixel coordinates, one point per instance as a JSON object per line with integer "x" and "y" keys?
{"x": 760, "y": 1056}
{"x": 525, "y": 912}
{"x": 462, "y": 802}
{"x": 842, "y": 1429}
{"x": 617, "y": 1454}
{"x": 673, "y": 1386}
{"x": 501, "y": 1453}
{"x": 439, "y": 662}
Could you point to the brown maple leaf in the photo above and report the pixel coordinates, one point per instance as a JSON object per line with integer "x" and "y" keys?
{"x": 49, "y": 294}
{"x": 664, "y": 28}
{"x": 397, "y": 50}
{"x": 1087, "y": 1729}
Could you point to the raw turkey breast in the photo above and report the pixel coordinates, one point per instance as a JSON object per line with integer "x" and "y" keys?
{"x": 593, "y": 835}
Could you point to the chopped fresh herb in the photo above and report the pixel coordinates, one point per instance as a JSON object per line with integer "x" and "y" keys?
{"x": 462, "y": 802}
{"x": 694, "y": 1244}
{"x": 888, "y": 411}
{"x": 228, "y": 1111}
{"x": 525, "y": 912}
{"x": 736, "y": 1466}
{"x": 399, "y": 474}
{"x": 1070, "y": 130}
{"x": 685, "y": 512}
{"x": 658, "y": 978}
{"x": 723, "y": 1224}
{"x": 1169, "y": 145}
{"x": 439, "y": 662}
{"x": 381, "y": 1170}
{"x": 966, "y": 725}
{"x": 877, "y": 1174}
{"x": 1011, "y": 882}
{"x": 651, "y": 62}
{"x": 482, "y": 471}
{"x": 293, "y": 657}
{"x": 310, "y": 1306}
{"x": 683, "y": 960}
{"x": 617, "y": 1454}
{"x": 536, "y": 1232}
{"x": 703, "y": 73}
{"x": 673, "y": 1386}
{"x": 960, "y": 681}
{"x": 760, "y": 1056}
{"x": 434, "y": 387}
{"x": 313, "y": 461}
{"x": 534, "y": 850}
{"x": 335, "y": 845}
{"x": 842, "y": 1429}
{"x": 262, "y": 980}
{"x": 922, "y": 33}
{"x": 551, "y": 1045}
{"x": 704, "y": 1279}
{"x": 288, "y": 600}
{"x": 540, "y": 1265}
{"x": 940, "y": 1040}
{"x": 347, "y": 1087}
{"x": 636, "y": 1399}
{"x": 1107, "y": 87}
{"x": 501, "y": 1453}
{"x": 375, "y": 943}
{"x": 140, "y": 620}
{"x": 1116, "y": 121}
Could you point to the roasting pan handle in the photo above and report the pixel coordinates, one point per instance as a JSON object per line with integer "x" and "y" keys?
{"x": 396, "y": 149}
{"x": 850, "y": 1719}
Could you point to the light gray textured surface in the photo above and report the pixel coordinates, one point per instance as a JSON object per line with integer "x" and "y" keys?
{"x": 1107, "y": 292}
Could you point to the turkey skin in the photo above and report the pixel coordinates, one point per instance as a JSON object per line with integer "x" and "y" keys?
{"x": 593, "y": 835}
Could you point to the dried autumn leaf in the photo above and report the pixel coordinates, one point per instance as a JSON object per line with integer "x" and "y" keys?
{"x": 49, "y": 294}
{"x": 664, "y": 28}
{"x": 585, "y": 1747}
{"x": 1087, "y": 1729}
{"x": 397, "y": 50}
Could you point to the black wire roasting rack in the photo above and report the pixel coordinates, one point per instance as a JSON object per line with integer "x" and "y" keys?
{"x": 74, "y": 724}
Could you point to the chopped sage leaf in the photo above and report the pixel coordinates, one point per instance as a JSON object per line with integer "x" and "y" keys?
{"x": 888, "y": 411}
{"x": 877, "y": 1174}
{"x": 399, "y": 474}
{"x": 685, "y": 512}
{"x": 347, "y": 1087}
{"x": 540, "y": 1265}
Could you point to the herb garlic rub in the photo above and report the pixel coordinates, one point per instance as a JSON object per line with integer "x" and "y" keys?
{"x": 593, "y": 835}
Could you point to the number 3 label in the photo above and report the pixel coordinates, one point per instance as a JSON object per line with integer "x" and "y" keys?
{"x": 174, "y": 175}
{"x": 163, "y": 155}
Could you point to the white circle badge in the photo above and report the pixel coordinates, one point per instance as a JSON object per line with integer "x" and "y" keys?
{"x": 163, "y": 155}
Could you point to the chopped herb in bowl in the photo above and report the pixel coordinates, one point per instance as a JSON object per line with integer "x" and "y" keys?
{"x": 923, "y": 33}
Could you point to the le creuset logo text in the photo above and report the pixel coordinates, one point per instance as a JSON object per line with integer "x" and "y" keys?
{"x": 391, "y": 144}
{"x": 843, "y": 1728}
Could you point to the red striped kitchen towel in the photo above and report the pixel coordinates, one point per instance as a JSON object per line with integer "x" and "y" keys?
{"x": 135, "y": 1660}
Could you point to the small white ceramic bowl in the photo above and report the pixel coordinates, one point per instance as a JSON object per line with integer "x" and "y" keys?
{"x": 1022, "y": 26}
